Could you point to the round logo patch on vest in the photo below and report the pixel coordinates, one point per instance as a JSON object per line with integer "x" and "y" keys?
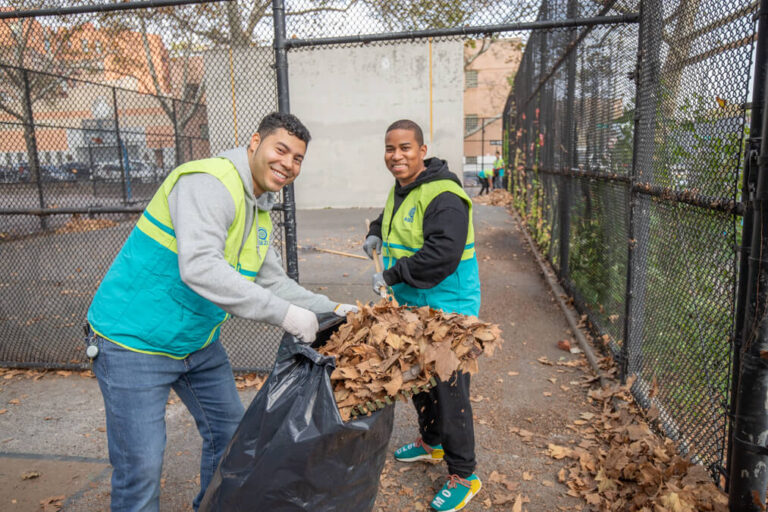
{"x": 263, "y": 237}
{"x": 411, "y": 213}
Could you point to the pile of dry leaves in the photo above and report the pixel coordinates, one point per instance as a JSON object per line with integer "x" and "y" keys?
{"x": 620, "y": 464}
{"x": 386, "y": 350}
{"x": 78, "y": 224}
{"x": 497, "y": 197}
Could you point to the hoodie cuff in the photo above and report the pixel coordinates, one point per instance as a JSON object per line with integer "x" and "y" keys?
{"x": 391, "y": 276}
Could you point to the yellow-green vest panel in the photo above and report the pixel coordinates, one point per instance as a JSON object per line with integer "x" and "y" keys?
{"x": 142, "y": 304}
{"x": 403, "y": 235}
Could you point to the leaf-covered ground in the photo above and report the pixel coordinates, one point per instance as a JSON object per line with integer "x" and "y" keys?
{"x": 531, "y": 400}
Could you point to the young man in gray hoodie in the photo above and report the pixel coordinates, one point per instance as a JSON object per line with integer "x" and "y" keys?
{"x": 199, "y": 254}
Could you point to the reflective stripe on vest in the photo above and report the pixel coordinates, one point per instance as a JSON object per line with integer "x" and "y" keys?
{"x": 142, "y": 304}
{"x": 403, "y": 235}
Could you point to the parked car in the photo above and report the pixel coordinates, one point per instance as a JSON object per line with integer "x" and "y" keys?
{"x": 471, "y": 179}
{"x": 143, "y": 172}
{"x": 22, "y": 171}
{"x": 137, "y": 170}
{"x": 81, "y": 170}
{"x": 109, "y": 171}
{"x": 55, "y": 173}
{"x": 8, "y": 174}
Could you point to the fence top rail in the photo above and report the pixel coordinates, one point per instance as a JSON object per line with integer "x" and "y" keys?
{"x": 90, "y": 82}
{"x": 99, "y": 8}
{"x": 466, "y": 31}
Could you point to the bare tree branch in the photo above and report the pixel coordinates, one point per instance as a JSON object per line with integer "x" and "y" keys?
{"x": 313, "y": 10}
{"x": 152, "y": 71}
{"x": 257, "y": 13}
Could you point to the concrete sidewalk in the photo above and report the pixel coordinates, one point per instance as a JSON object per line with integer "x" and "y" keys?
{"x": 55, "y": 425}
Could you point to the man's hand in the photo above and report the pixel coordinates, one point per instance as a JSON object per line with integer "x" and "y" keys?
{"x": 372, "y": 243}
{"x": 300, "y": 322}
{"x": 379, "y": 284}
{"x": 342, "y": 309}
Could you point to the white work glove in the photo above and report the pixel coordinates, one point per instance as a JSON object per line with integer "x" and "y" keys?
{"x": 371, "y": 243}
{"x": 378, "y": 283}
{"x": 300, "y": 322}
{"x": 342, "y": 309}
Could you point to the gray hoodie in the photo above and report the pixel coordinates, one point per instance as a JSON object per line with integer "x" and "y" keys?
{"x": 202, "y": 210}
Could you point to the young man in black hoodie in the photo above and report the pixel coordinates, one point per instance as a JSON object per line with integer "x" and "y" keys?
{"x": 426, "y": 238}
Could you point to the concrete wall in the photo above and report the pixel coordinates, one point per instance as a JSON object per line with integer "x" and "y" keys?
{"x": 240, "y": 89}
{"x": 347, "y": 97}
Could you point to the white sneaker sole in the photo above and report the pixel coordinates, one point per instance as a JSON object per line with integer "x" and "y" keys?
{"x": 426, "y": 457}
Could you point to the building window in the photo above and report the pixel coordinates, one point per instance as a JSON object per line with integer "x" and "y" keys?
{"x": 190, "y": 90}
{"x": 471, "y": 160}
{"x": 47, "y": 43}
{"x": 84, "y": 45}
{"x": 471, "y": 122}
{"x": 204, "y": 131}
{"x": 97, "y": 45}
{"x": 470, "y": 79}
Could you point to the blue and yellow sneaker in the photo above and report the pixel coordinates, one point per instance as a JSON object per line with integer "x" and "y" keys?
{"x": 456, "y": 493}
{"x": 419, "y": 450}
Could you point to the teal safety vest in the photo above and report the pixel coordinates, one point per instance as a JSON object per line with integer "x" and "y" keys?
{"x": 142, "y": 304}
{"x": 402, "y": 236}
{"x": 499, "y": 164}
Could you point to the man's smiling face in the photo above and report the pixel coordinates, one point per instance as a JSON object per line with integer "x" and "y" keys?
{"x": 403, "y": 155}
{"x": 275, "y": 160}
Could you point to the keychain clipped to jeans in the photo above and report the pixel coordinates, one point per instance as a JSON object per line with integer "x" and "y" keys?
{"x": 91, "y": 347}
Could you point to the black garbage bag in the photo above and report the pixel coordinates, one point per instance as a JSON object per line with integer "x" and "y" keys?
{"x": 293, "y": 452}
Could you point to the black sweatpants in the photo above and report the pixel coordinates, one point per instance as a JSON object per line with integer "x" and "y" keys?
{"x": 483, "y": 186}
{"x": 445, "y": 417}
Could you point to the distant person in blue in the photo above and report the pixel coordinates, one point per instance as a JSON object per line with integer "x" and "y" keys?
{"x": 498, "y": 171}
{"x": 427, "y": 239}
{"x": 486, "y": 181}
{"x": 200, "y": 253}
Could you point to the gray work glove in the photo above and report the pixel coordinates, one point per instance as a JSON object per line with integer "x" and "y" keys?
{"x": 300, "y": 322}
{"x": 342, "y": 309}
{"x": 379, "y": 283}
{"x": 371, "y": 243}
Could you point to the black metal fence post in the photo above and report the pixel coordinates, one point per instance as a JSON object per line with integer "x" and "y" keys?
{"x": 639, "y": 217}
{"x": 31, "y": 141}
{"x": 283, "y": 105}
{"x": 748, "y": 465}
{"x": 749, "y": 174}
{"x": 119, "y": 146}
{"x": 569, "y": 137}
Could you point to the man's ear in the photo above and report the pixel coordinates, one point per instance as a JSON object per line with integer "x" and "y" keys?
{"x": 255, "y": 140}
{"x": 423, "y": 151}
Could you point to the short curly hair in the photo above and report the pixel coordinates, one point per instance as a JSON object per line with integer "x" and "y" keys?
{"x": 276, "y": 120}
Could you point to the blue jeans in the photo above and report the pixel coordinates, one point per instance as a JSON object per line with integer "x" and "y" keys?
{"x": 135, "y": 388}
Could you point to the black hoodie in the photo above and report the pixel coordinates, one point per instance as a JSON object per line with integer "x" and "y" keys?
{"x": 445, "y": 226}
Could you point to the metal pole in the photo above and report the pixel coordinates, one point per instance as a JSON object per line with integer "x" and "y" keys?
{"x": 283, "y": 105}
{"x": 748, "y": 187}
{"x": 482, "y": 145}
{"x": 176, "y": 134}
{"x": 633, "y": 204}
{"x": 748, "y": 466}
{"x": 119, "y": 145}
{"x": 115, "y": 6}
{"x": 91, "y": 170}
{"x": 31, "y": 141}
{"x": 475, "y": 30}
{"x": 570, "y": 157}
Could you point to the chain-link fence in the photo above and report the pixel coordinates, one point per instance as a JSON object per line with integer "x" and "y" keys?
{"x": 626, "y": 146}
{"x": 96, "y": 108}
{"x": 624, "y": 132}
